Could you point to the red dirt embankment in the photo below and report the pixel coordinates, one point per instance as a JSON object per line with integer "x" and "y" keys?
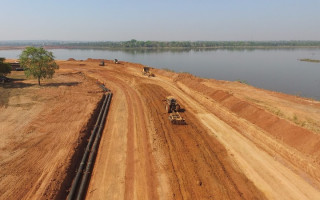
{"x": 271, "y": 157}
{"x": 240, "y": 142}
{"x": 41, "y": 129}
{"x": 297, "y": 137}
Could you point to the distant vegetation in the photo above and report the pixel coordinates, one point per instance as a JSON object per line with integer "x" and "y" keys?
{"x": 135, "y": 44}
{"x": 196, "y": 44}
{"x": 310, "y": 60}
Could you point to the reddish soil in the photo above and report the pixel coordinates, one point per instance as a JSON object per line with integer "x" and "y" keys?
{"x": 40, "y": 131}
{"x": 240, "y": 142}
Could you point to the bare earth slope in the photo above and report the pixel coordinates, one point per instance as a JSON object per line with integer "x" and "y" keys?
{"x": 235, "y": 144}
{"x": 240, "y": 142}
{"x": 40, "y": 128}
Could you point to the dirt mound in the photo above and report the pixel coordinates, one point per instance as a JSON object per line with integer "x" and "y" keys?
{"x": 185, "y": 76}
{"x": 71, "y": 59}
{"x": 93, "y": 60}
{"x": 302, "y": 139}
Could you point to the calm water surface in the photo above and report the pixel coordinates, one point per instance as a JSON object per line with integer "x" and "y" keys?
{"x": 275, "y": 69}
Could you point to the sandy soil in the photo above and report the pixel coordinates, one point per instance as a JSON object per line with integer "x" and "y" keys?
{"x": 240, "y": 142}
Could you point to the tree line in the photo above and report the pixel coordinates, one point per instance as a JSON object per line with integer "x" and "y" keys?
{"x": 193, "y": 44}
{"x": 163, "y": 44}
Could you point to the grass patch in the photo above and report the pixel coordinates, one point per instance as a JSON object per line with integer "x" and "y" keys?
{"x": 17, "y": 75}
{"x": 295, "y": 119}
{"x": 278, "y": 113}
{"x": 307, "y": 123}
{"x": 298, "y": 122}
{"x": 309, "y": 60}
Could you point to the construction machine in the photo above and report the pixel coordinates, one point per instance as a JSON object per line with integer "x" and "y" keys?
{"x": 116, "y": 61}
{"x": 147, "y": 72}
{"x": 175, "y": 118}
{"x": 173, "y": 108}
{"x": 172, "y": 105}
{"x": 101, "y": 63}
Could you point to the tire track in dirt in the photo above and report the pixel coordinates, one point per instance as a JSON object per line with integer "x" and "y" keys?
{"x": 202, "y": 169}
{"x": 266, "y": 173}
{"x": 139, "y": 181}
{"x": 130, "y": 165}
{"x": 107, "y": 181}
{"x": 161, "y": 130}
{"x": 143, "y": 144}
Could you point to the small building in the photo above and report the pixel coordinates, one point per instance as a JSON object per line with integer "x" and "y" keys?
{"x": 16, "y": 66}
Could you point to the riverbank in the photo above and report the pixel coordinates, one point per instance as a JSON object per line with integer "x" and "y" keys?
{"x": 273, "y": 69}
{"x": 249, "y": 143}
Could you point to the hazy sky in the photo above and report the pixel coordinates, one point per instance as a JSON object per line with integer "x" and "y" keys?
{"x": 117, "y": 20}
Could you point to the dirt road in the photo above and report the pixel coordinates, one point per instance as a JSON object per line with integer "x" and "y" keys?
{"x": 240, "y": 142}
{"x": 231, "y": 148}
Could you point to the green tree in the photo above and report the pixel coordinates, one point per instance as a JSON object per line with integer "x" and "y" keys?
{"x": 5, "y": 68}
{"x": 38, "y": 62}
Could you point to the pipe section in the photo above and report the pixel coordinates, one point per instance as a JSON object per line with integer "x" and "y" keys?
{"x": 90, "y": 151}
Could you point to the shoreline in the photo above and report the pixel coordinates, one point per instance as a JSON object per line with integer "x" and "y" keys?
{"x": 164, "y": 48}
{"x": 195, "y": 76}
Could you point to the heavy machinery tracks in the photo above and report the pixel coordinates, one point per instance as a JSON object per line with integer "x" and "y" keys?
{"x": 198, "y": 161}
{"x": 182, "y": 164}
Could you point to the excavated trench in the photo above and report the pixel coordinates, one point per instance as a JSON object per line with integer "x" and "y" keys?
{"x": 77, "y": 157}
{"x": 80, "y": 182}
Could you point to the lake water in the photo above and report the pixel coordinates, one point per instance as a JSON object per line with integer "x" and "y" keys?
{"x": 272, "y": 69}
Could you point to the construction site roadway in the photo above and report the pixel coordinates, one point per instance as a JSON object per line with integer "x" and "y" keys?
{"x": 239, "y": 142}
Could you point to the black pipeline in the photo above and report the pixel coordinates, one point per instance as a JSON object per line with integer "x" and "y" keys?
{"x": 80, "y": 182}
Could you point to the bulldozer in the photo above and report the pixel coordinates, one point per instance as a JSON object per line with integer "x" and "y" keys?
{"x": 146, "y": 71}
{"x": 173, "y": 108}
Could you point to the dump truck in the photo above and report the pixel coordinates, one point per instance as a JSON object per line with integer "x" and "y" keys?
{"x": 101, "y": 63}
{"x": 147, "y": 72}
{"x": 173, "y": 108}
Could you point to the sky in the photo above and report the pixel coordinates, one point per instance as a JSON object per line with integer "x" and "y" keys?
{"x": 161, "y": 20}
